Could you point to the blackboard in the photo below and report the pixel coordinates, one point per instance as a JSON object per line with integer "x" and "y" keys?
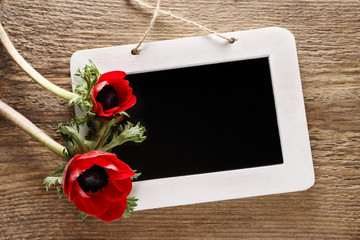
{"x": 221, "y": 118}
{"x": 203, "y": 119}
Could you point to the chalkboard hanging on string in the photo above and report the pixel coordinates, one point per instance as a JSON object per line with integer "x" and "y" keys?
{"x": 223, "y": 120}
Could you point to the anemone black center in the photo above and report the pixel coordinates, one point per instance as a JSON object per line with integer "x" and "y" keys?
{"x": 107, "y": 97}
{"x": 93, "y": 179}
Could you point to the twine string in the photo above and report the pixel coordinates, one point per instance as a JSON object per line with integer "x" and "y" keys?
{"x": 168, "y": 13}
{"x": 156, "y": 13}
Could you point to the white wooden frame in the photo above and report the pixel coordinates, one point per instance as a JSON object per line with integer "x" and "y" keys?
{"x": 295, "y": 174}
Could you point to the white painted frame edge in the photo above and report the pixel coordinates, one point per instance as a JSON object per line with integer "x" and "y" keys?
{"x": 278, "y": 44}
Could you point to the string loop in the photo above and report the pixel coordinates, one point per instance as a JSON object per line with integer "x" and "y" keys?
{"x": 135, "y": 51}
{"x": 157, "y": 10}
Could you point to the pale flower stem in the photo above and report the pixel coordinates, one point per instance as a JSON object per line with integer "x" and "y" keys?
{"x": 24, "y": 65}
{"x": 27, "y": 126}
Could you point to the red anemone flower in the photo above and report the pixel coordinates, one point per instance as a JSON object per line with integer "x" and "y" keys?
{"x": 112, "y": 94}
{"x": 98, "y": 183}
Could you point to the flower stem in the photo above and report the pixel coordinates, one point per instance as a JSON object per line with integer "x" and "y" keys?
{"x": 24, "y": 65}
{"x": 27, "y": 126}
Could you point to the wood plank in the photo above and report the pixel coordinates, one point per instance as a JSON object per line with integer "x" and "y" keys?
{"x": 46, "y": 33}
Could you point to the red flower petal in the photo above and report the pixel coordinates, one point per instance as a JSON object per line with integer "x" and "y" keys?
{"x": 97, "y": 88}
{"x": 94, "y": 154}
{"x": 111, "y": 162}
{"x": 131, "y": 102}
{"x": 111, "y": 76}
{"x": 113, "y": 193}
{"x": 95, "y": 205}
{"x": 120, "y": 175}
{"x": 78, "y": 165}
{"x": 109, "y": 203}
{"x": 121, "y": 86}
{"x": 100, "y": 112}
{"x": 122, "y": 89}
{"x": 111, "y": 111}
{"x": 68, "y": 178}
{"x": 124, "y": 185}
{"x": 75, "y": 191}
{"x": 115, "y": 211}
{"x": 103, "y": 162}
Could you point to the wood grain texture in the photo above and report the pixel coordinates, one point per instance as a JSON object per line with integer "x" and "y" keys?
{"x": 46, "y": 33}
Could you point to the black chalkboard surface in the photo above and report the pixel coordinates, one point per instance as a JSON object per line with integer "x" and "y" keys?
{"x": 204, "y": 119}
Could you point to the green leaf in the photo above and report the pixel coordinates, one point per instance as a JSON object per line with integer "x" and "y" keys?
{"x": 60, "y": 191}
{"x": 60, "y": 170}
{"x": 78, "y": 121}
{"x": 94, "y": 125}
{"x": 125, "y": 133}
{"x": 83, "y": 215}
{"x": 49, "y": 181}
{"x": 131, "y": 204}
{"x": 89, "y": 76}
{"x": 123, "y": 113}
{"x": 74, "y": 143}
{"x": 75, "y": 101}
{"x": 101, "y": 130}
{"x": 66, "y": 155}
{"x": 105, "y": 131}
{"x": 136, "y": 175}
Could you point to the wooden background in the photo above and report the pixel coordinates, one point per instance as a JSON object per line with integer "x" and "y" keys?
{"x": 46, "y": 33}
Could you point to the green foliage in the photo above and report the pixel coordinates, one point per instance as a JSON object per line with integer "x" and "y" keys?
{"x": 52, "y": 180}
{"x": 89, "y": 75}
{"x": 100, "y": 130}
{"x": 74, "y": 143}
{"x": 83, "y": 215}
{"x": 49, "y": 181}
{"x": 131, "y": 204}
{"x": 60, "y": 170}
{"x": 123, "y": 133}
{"x": 136, "y": 175}
{"x": 103, "y": 133}
{"x": 60, "y": 191}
